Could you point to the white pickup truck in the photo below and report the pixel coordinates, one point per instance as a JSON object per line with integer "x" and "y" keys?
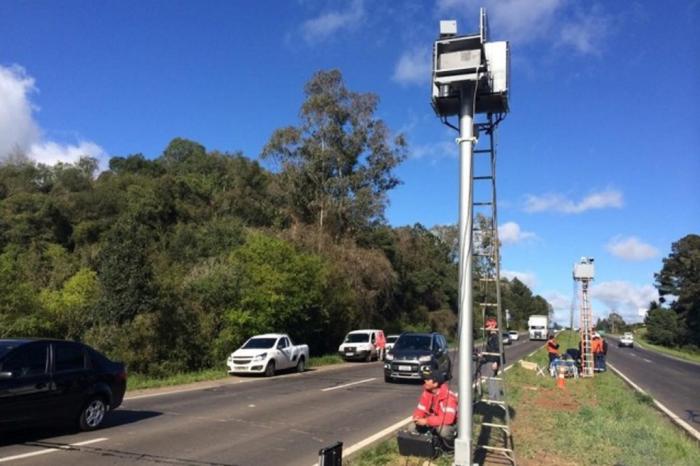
{"x": 266, "y": 354}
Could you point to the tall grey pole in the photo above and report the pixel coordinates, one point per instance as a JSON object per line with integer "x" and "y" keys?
{"x": 463, "y": 456}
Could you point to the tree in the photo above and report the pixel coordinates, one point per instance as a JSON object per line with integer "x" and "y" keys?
{"x": 662, "y": 327}
{"x": 680, "y": 278}
{"x": 337, "y": 164}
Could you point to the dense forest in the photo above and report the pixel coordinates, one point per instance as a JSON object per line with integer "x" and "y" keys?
{"x": 169, "y": 263}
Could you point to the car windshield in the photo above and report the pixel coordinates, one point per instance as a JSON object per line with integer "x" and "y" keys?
{"x": 512, "y": 332}
{"x": 537, "y": 327}
{"x": 7, "y": 346}
{"x": 391, "y": 339}
{"x": 260, "y": 343}
{"x": 413, "y": 342}
{"x": 357, "y": 337}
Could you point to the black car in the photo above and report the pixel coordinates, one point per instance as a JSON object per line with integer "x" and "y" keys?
{"x": 47, "y": 380}
{"x": 414, "y": 352}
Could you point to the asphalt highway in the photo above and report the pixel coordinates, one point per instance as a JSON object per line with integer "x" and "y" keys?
{"x": 283, "y": 420}
{"x": 674, "y": 383}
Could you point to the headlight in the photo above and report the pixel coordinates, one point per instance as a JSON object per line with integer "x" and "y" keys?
{"x": 260, "y": 357}
{"x": 425, "y": 358}
{"x": 389, "y": 357}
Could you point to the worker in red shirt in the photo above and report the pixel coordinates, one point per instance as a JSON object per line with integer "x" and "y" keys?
{"x": 552, "y": 348}
{"x": 437, "y": 408}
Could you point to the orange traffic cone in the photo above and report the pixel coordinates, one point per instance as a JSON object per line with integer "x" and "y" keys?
{"x": 561, "y": 381}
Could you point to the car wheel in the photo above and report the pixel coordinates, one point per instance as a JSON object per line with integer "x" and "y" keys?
{"x": 93, "y": 413}
{"x": 270, "y": 369}
{"x": 369, "y": 357}
{"x": 388, "y": 379}
{"x": 300, "y": 365}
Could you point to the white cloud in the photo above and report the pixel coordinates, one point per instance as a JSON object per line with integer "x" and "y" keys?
{"x": 558, "y": 203}
{"x": 624, "y": 298}
{"x": 586, "y": 33}
{"x": 631, "y": 249}
{"x": 528, "y": 278}
{"x": 434, "y": 150}
{"x": 523, "y": 21}
{"x": 323, "y": 26}
{"x": 413, "y": 67}
{"x": 517, "y": 20}
{"x": 18, "y": 130}
{"x": 510, "y": 233}
{"x": 20, "y": 133}
{"x": 50, "y": 152}
{"x": 561, "y": 304}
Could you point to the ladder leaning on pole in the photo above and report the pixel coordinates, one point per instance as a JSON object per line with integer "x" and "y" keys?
{"x": 495, "y": 434}
{"x": 586, "y": 333}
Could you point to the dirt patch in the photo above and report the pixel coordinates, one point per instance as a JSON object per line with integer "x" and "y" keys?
{"x": 556, "y": 399}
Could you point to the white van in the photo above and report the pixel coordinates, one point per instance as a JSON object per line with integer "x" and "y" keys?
{"x": 364, "y": 345}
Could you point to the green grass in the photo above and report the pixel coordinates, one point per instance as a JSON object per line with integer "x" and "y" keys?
{"x": 640, "y": 339}
{"x": 139, "y": 381}
{"x": 325, "y": 360}
{"x": 598, "y": 421}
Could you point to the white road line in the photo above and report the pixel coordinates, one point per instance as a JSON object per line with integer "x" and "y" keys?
{"x": 369, "y": 440}
{"x": 687, "y": 427}
{"x": 347, "y": 384}
{"x": 647, "y": 360}
{"x": 50, "y": 450}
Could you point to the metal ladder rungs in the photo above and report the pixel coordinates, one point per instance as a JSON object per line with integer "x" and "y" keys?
{"x": 485, "y": 177}
{"x": 499, "y": 426}
{"x": 483, "y": 203}
{"x": 488, "y": 304}
{"x": 492, "y": 354}
{"x": 489, "y": 447}
{"x": 482, "y": 151}
{"x": 487, "y": 279}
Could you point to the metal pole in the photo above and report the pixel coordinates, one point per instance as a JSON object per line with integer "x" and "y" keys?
{"x": 463, "y": 456}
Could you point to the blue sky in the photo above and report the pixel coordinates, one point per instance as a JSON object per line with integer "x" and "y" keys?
{"x": 598, "y": 157}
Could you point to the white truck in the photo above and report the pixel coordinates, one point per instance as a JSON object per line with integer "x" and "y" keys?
{"x": 537, "y": 327}
{"x": 266, "y": 354}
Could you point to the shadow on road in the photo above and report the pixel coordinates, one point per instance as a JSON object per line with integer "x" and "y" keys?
{"x": 31, "y": 435}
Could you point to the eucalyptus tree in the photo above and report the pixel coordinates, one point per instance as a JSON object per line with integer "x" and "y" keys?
{"x": 336, "y": 166}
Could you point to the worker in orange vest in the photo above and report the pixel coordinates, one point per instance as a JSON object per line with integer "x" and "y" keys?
{"x": 597, "y": 350}
{"x": 437, "y": 408}
{"x": 552, "y": 348}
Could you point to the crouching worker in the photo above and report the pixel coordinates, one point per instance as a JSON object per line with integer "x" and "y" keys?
{"x": 437, "y": 409}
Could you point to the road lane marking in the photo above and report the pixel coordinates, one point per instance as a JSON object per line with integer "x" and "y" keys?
{"x": 687, "y": 427}
{"x": 347, "y": 385}
{"x": 647, "y": 360}
{"x": 51, "y": 450}
{"x": 385, "y": 432}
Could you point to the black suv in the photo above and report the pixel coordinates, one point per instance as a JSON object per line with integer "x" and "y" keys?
{"x": 414, "y": 352}
{"x": 46, "y": 380}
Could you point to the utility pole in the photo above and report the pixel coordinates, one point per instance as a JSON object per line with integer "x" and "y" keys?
{"x": 469, "y": 76}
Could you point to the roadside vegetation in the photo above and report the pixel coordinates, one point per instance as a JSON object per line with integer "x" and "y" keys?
{"x": 591, "y": 421}
{"x": 141, "y": 381}
{"x": 640, "y": 338}
{"x": 672, "y": 324}
{"x": 170, "y": 262}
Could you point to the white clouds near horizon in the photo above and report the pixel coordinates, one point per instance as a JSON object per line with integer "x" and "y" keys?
{"x": 553, "y": 202}
{"x": 324, "y": 25}
{"x": 528, "y": 278}
{"x": 624, "y": 297}
{"x": 21, "y": 134}
{"x": 631, "y": 249}
{"x": 511, "y": 233}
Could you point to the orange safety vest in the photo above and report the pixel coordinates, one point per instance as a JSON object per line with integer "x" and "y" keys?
{"x": 439, "y": 408}
{"x": 596, "y": 346}
{"x": 552, "y": 346}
